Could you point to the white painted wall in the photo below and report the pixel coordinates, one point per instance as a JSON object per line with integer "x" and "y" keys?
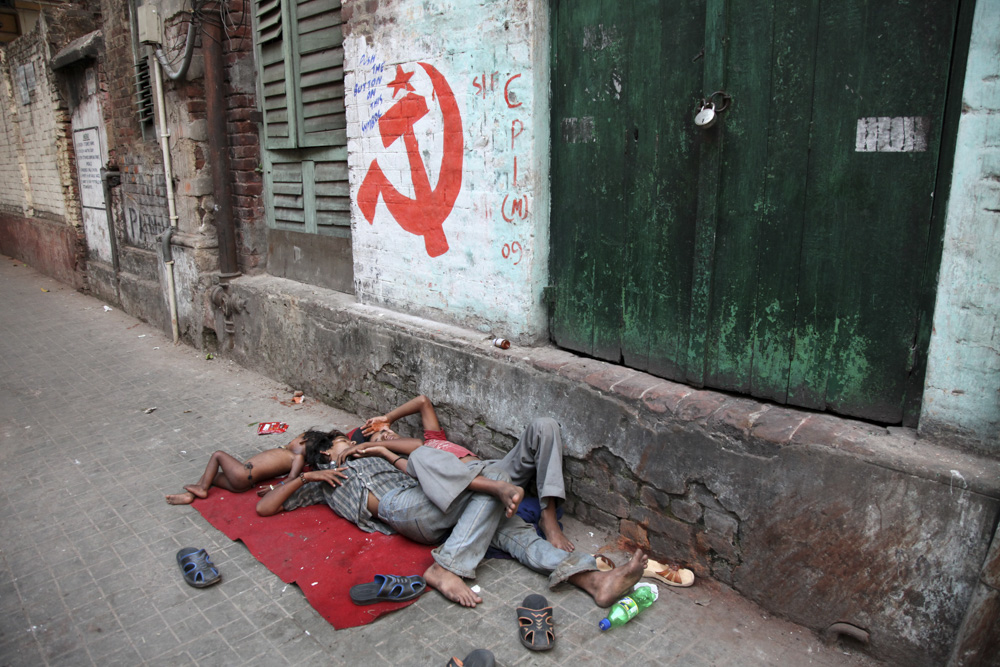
{"x": 962, "y": 386}
{"x": 492, "y": 57}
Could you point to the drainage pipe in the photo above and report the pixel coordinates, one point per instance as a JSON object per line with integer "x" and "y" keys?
{"x": 107, "y": 175}
{"x": 218, "y": 148}
{"x": 168, "y": 176}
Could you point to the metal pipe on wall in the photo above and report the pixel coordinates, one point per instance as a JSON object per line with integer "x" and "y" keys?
{"x": 168, "y": 175}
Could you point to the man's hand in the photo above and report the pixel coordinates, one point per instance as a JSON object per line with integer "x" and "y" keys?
{"x": 332, "y": 476}
{"x": 374, "y": 424}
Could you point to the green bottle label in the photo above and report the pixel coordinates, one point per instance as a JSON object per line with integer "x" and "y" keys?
{"x": 630, "y": 608}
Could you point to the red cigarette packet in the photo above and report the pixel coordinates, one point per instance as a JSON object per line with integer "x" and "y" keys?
{"x": 267, "y": 428}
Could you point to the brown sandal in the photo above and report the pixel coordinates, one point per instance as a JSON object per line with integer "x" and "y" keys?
{"x": 672, "y": 575}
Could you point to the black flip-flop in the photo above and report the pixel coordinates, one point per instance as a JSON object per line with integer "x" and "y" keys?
{"x": 478, "y": 658}
{"x": 534, "y": 619}
{"x": 199, "y": 570}
{"x": 388, "y": 588}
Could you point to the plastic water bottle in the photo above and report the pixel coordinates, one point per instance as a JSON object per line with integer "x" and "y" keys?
{"x": 627, "y": 608}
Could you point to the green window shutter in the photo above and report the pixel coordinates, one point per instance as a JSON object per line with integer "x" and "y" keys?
{"x": 287, "y": 203}
{"x": 309, "y": 194}
{"x": 333, "y": 198}
{"x": 276, "y": 77}
{"x": 319, "y": 62}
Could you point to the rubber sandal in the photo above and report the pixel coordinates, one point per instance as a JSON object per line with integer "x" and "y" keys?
{"x": 478, "y": 658}
{"x": 671, "y": 575}
{"x": 604, "y": 564}
{"x": 199, "y": 570}
{"x": 388, "y": 588}
{"x": 534, "y": 618}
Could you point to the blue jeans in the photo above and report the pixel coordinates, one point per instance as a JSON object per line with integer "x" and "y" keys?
{"x": 476, "y": 520}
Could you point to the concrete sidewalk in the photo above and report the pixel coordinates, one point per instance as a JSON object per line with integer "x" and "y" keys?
{"x": 101, "y": 416}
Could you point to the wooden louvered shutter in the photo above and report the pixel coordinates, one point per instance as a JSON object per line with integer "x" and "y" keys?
{"x": 276, "y": 77}
{"x": 319, "y": 63}
{"x": 310, "y": 195}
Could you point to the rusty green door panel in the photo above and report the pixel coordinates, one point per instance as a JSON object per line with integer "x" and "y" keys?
{"x": 780, "y": 253}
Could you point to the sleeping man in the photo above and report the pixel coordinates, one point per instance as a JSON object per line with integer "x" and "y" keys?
{"x": 375, "y": 494}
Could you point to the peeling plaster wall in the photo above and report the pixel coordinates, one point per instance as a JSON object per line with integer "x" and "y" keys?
{"x": 469, "y": 98}
{"x": 962, "y": 387}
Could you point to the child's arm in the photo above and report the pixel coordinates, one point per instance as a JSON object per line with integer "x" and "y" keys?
{"x": 421, "y": 404}
{"x": 401, "y": 446}
{"x": 298, "y": 462}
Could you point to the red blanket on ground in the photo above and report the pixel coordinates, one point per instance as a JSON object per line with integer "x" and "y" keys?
{"x": 317, "y": 550}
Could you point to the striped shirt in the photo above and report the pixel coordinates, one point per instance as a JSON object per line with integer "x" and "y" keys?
{"x": 350, "y": 500}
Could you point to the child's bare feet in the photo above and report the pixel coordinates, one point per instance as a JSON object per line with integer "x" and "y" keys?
{"x": 196, "y": 490}
{"x": 608, "y": 587}
{"x": 180, "y": 499}
{"x": 554, "y": 534}
{"x": 511, "y": 496}
{"x": 451, "y": 586}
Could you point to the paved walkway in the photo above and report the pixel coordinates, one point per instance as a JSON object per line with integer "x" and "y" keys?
{"x": 101, "y": 416}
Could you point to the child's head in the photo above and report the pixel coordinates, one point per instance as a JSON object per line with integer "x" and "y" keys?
{"x": 318, "y": 444}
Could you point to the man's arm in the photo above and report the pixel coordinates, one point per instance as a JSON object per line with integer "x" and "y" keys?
{"x": 273, "y": 501}
{"x": 421, "y": 404}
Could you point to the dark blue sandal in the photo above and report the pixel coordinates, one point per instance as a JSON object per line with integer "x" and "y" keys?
{"x": 478, "y": 658}
{"x": 388, "y": 588}
{"x": 199, "y": 570}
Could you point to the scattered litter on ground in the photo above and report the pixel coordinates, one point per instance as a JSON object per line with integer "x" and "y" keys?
{"x": 209, "y": 356}
{"x": 476, "y": 589}
{"x": 107, "y": 309}
{"x": 142, "y": 335}
{"x": 703, "y": 602}
{"x": 183, "y": 452}
{"x": 298, "y": 397}
{"x": 44, "y": 290}
{"x": 148, "y": 410}
{"x": 77, "y": 461}
{"x": 267, "y": 428}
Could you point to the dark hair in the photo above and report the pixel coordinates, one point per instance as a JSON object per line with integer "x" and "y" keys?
{"x": 317, "y": 442}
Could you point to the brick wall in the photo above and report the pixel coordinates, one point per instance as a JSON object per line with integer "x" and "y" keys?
{"x": 40, "y": 124}
{"x": 12, "y": 188}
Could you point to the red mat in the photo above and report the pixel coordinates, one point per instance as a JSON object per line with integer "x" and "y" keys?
{"x": 317, "y": 550}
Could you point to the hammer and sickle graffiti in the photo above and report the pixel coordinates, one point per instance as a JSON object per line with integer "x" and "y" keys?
{"x": 426, "y": 212}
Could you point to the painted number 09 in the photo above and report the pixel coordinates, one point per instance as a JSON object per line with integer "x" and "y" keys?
{"x": 511, "y": 249}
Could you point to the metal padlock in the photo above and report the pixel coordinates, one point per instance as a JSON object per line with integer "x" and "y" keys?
{"x": 705, "y": 118}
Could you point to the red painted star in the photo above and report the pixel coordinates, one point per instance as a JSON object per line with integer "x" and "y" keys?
{"x": 402, "y": 80}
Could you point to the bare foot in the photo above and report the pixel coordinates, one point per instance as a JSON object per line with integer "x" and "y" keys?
{"x": 180, "y": 499}
{"x": 196, "y": 490}
{"x": 553, "y": 533}
{"x": 608, "y": 587}
{"x": 451, "y": 586}
{"x": 511, "y": 496}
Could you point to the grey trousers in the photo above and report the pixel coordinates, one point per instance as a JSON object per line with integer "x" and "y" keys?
{"x": 538, "y": 453}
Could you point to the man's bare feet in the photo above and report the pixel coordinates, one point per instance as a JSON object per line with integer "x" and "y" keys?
{"x": 180, "y": 499}
{"x": 196, "y": 490}
{"x": 553, "y": 533}
{"x": 608, "y": 587}
{"x": 451, "y": 586}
